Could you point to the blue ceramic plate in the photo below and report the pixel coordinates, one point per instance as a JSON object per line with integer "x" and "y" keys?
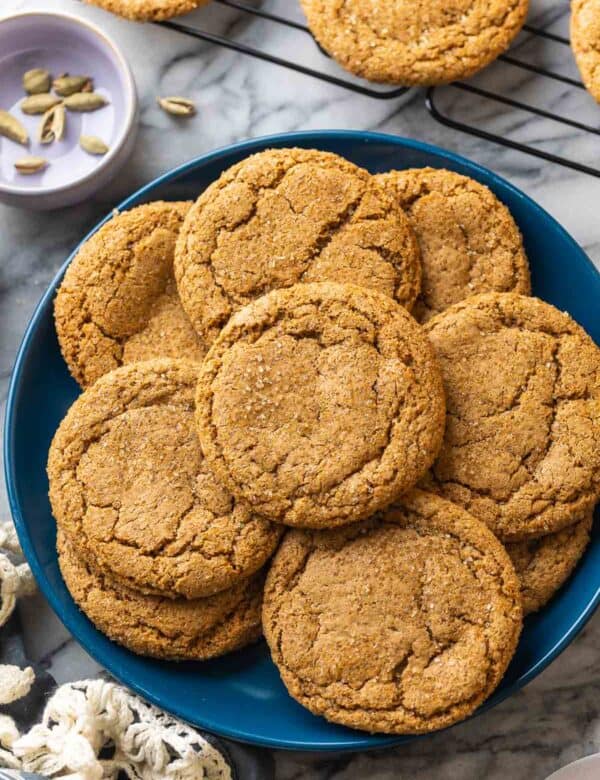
{"x": 241, "y": 695}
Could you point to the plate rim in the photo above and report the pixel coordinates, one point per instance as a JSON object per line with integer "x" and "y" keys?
{"x": 362, "y": 741}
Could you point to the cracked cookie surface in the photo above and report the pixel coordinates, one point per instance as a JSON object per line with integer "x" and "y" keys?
{"x": 118, "y": 302}
{"x": 177, "y": 629}
{"x": 148, "y": 10}
{"x": 320, "y": 404}
{"x": 585, "y": 42}
{"x": 401, "y": 624}
{"x": 543, "y": 565}
{"x": 414, "y": 42}
{"x": 522, "y": 443}
{"x": 131, "y": 490}
{"x": 285, "y": 216}
{"x": 468, "y": 239}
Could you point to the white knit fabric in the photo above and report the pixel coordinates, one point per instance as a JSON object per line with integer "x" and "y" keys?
{"x": 93, "y": 729}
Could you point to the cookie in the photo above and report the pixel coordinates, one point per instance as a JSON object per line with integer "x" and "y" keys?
{"x": 148, "y": 10}
{"x": 131, "y": 490}
{"x": 412, "y": 42}
{"x": 175, "y": 629}
{"x": 402, "y": 624}
{"x": 118, "y": 302}
{"x": 585, "y": 42}
{"x": 543, "y": 565}
{"x": 291, "y": 215}
{"x": 468, "y": 239}
{"x": 320, "y": 404}
{"x": 522, "y": 443}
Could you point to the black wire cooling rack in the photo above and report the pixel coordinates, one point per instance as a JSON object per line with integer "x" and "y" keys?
{"x": 431, "y": 95}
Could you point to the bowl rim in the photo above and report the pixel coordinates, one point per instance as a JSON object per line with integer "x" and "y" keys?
{"x": 362, "y": 741}
{"x": 131, "y": 102}
{"x": 562, "y": 773}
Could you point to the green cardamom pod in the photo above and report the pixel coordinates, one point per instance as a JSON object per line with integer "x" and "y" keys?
{"x": 29, "y": 165}
{"x": 84, "y": 101}
{"x": 52, "y": 126}
{"x": 68, "y": 85}
{"x": 10, "y": 127}
{"x": 38, "y": 104}
{"x": 36, "y": 81}
{"x": 92, "y": 144}
{"x": 178, "y": 106}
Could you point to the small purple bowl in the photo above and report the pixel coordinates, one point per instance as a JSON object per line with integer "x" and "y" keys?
{"x": 63, "y": 43}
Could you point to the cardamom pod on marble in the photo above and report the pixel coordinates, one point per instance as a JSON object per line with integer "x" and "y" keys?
{"x": 178, "y": 106}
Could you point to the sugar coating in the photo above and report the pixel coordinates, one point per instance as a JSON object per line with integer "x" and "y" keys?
{"x": 176, "y": 629}
{"x": 285, "y": 216}
{"x": 320, "y": 404}
{"x": 149, "y": 10}
{"x": 585, "y": 42}
{"x": 522, "y": 444}
{"x": 468, "y": 239}
{"x": 118, "y": 303}
{"x": 401, "y": 624}
{"x": 543, "y": 565}
{"x": 131, "y": 491}
{"x": 415, "y": 42}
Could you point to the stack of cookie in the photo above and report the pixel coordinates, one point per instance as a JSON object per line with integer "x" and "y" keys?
{"x": 250, "y": 365}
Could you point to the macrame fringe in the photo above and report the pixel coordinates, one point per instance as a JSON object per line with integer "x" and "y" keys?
{"x": 87, "y": 720}
{"x": 15, "y": 578}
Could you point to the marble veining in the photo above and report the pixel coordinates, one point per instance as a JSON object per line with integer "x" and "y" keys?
{"x": 556, "y": 719}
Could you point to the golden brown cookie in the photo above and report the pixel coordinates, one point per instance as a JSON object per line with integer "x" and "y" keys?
{"x": 544, "y": 564}
{"x": 118, "y": 302}
{"x": 585, "y": 42}
{"x": 320, "y": 404}
{"x": 414, "y": 42}
{"x": 522, "y": 444}
{"x": 468, "y": 239}
{"x": 192, "y": 629}
{"x": 291, "y": 215}
{"x": 148, "y": 10}
{"x": 402, "y": 624}
{"x": 131, "y": 490}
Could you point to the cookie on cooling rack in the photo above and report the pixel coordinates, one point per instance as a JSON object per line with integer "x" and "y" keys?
{"x": 585, "y": 42}
{"x": 411, "y": 42}
{"x": 149, "y": 10}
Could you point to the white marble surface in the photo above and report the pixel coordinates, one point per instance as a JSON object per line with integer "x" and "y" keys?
{"x": 554, "y": 720}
